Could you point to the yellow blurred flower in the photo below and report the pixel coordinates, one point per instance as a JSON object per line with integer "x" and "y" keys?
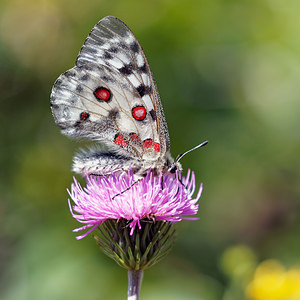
{"x": 273, "y": 282}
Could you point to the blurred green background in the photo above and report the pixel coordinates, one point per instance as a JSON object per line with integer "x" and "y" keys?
{"x": 227, "y": 71}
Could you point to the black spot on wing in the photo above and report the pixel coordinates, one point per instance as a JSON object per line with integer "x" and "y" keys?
{"x": 70, "y": 73}
{"x": 143, "y": 68}
{"x": 143, "y": 90}
{"x": 152, "y": 114}
{"x": 107, "y": 56}
{"x": 79, "y": 88}
{"x": 85, "y": 77}
{"x": 106, "y": 78}
{"x": 134, "y": 47}
{"x": 122, "y": 45}
{"x": 113, "y": 49}
{"x": 113, "y": 114}
{"x": 126, "y": 70}
{"x": 88, "y": 68}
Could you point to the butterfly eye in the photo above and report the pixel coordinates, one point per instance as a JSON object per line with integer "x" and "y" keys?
{"x": 173, "y": 168}
{"x": 102, "y": 93}
{"x": 139, "y": 113}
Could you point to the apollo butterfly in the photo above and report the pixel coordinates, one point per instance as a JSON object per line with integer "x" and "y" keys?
{"x": 110, "y": 96}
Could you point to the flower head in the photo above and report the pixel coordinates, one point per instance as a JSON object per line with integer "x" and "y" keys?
{"x": 115, "y": 197}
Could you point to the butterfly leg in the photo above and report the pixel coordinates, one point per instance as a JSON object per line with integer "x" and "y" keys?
{"x": 162, "y": 182}
{"x": 128, "y": 188}
{"x": 99, "y": 175}
{"x": 179, "y": 178}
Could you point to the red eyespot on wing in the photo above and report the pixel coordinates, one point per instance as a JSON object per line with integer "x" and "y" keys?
{"x": 84, "y": 115}
{"x": 139, "y": 113}
{"x": 119, "y": 140}
{"x": 156, "y": 147}
{"x": 102, "y": 93}
{"x": 133, "y": 137}
{"x": 147, "y": 144}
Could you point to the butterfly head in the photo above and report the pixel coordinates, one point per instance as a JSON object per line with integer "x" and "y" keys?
{"x": 175, "y": 166}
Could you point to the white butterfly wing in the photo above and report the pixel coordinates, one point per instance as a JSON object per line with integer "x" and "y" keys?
{"x": 110, "y": 95}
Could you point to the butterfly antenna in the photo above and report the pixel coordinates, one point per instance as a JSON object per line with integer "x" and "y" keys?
{"x": 179, "y": 157}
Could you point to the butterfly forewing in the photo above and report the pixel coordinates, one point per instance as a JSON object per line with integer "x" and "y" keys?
{"x": 113, "y": 44}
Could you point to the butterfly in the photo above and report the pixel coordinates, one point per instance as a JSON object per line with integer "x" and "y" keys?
{"x": 110, "y": 96}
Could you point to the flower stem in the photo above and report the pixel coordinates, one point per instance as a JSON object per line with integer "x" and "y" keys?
{"x": 134, "y": 284}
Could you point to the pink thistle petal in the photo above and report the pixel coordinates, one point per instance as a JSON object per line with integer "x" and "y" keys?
{"x": 120, "y": 196}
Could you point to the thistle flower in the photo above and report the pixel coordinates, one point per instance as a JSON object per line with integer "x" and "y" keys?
{"x": 114, "y": 197}
{"x": 134, "y": 217}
